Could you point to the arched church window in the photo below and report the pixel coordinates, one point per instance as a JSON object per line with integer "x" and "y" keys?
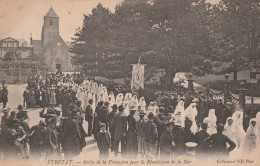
{"x": 51, "y": 23}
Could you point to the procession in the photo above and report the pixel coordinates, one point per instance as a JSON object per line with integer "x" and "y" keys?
{"x": 143, "y": 130}
{"x": 130, "y": 82}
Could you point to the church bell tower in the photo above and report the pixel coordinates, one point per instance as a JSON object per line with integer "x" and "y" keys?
{"x": 50, "y": 29}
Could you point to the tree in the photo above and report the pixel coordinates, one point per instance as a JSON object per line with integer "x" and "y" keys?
{"x": 238, "y": 20}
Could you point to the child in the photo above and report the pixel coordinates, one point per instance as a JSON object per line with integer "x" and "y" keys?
{"x": 103, "y": 141}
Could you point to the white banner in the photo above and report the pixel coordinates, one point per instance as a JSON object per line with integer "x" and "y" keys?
{"x": 137, "y": 77}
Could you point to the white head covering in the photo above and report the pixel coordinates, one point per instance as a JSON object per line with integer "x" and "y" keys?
{"x": 238, "y": 126}
{"x": 251, "y": 144}
{"x": 142, "y": 104}
{"x": 119, "y": 99}
{"x": 229, "y": 130}
{"x": 191, "y": 113}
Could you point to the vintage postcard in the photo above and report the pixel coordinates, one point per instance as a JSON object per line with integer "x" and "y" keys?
{"x": 130, "y": 82}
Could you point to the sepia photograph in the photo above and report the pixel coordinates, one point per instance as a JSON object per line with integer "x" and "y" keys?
{"x": 129, "y": 82}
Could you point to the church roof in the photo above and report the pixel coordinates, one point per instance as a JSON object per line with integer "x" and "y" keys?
{"x": 37, "y": 44}
{"x": 51, "y": 13}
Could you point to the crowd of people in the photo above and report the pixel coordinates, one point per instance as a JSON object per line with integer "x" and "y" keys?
{"x": 167, "y": 128}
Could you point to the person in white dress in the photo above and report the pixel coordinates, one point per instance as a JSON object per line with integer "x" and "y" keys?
{"x": 238, "y": 127}
{"x": 229, "y": 130}
{"x": 212, "y": 122}
{"x": 142, "y": 104}
{"x": 191, "y": 113}
{"x": 258, "y": 124}
{"x": 251, "y": 144}
{"x": 119, "y": 99}
{"x": 179, "y": 112}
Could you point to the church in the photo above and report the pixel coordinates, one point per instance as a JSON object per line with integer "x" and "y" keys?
{"x": 52, "y": 47}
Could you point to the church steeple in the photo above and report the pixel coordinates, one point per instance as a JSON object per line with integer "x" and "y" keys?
{"x": 50, "y": 29}
{"x": 51, "y": 13}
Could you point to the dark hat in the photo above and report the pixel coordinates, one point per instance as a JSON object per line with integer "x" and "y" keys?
{"x": 141, "y": 112}
{"x": 121, "y": 108}
{"x": 14, "y": 120}
{"x": 114, "y": 106}
{"x": 13, "y": 113}
{"x": 53, "y": 120}
{"x": 73, "y": 111}
{"x": 169, "y": 123}
{"x": 74, "y": 98}
{"x": 101, "y": 102}
{"x": 106, "y": 103}
{"x": 6, "y": 110}
{"x": 90, "y": 100}
{"x": 20, "y": 107}
{"x": 42, "y": 123}
{"x": 79, "y": 102}
{"x": 102, "y": 125}
{"x": 150, "y": 115}
{"x": 161, "y": 109}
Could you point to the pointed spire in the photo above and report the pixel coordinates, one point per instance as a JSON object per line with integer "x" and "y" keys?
{"x": 51, "y": 13}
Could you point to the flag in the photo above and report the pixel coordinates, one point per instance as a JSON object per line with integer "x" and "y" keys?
{"x": 137, "y": 77}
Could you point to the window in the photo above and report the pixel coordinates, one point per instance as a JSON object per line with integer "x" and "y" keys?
{"x": 51, "y": 23}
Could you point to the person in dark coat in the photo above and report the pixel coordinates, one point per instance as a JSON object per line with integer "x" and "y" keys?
{"x": 36, "y": 140}
{"x": 218, "y": 143}
{"x": 202, "y": 148}
{"x": 104, "y": 113}
{"x": 44, "y": 99}
{"x": 131, "y": 136}
{"x": 183, "y": 137}
{"x": 203, "y": 109}
{"x": 140, "y": 133}
{"x": 111, "y": 127}
{"x": 4, "y": 118}
{"x": 1, "y": 96}
{"x": 89, "y": 116}
{"x": 13, "y": 138}
{"x": 151, "y": 137}
{"x": 97, "y": 119}
{"x": 38, "y": 97}
{"x": 26, "y": 100}
{"x": 51, "y": 139}
{"x": 160, "y": 125}
{"x": 120, "y": 123}
{"x": 71, "y": 136}
{"x": 4, "y": 96}
{"x": 167, "y": 142}
{"x": 103, "y": 141}
{"x": 67, "y": 99}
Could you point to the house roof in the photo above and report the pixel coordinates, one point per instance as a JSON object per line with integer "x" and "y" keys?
{"x": 8, "y": 39}
{"x": 51, "y": 13}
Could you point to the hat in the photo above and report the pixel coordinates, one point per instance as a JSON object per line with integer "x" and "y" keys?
{"x": 53, "y": 120}
{"x": 191, "y": 145}
{"x": 74, "y": 98}
{"x": 6, "y": 110}
{"x": 20, "y": 107}
{"x": 195, "y": 100}
{"x": 15, "y": 120}
{"x": 114, "y": 106}
{"x": 102, "y": 125}
{"x": 42, "y": 123}
{"x": 106, "y": 103}
{"x": 121, "y": 108}
{"x": 79, "y": 102}
{"x": 142, "y": 112}
{"x": 13, "y": 113}
{"x": 150, "y": 115}
{"x": 73, "y": 111}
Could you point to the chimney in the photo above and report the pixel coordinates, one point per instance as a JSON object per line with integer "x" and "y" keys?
{"x": 31, "y": 38}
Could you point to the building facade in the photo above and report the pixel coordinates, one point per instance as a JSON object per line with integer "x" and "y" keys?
{"x": 52, "y": 47}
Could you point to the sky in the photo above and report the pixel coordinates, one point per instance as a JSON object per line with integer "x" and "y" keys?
{"x": 19, "y": 18}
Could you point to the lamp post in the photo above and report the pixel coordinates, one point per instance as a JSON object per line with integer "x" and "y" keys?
{"x": 190, "y": 83}
{"x": 226, "y": 90}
